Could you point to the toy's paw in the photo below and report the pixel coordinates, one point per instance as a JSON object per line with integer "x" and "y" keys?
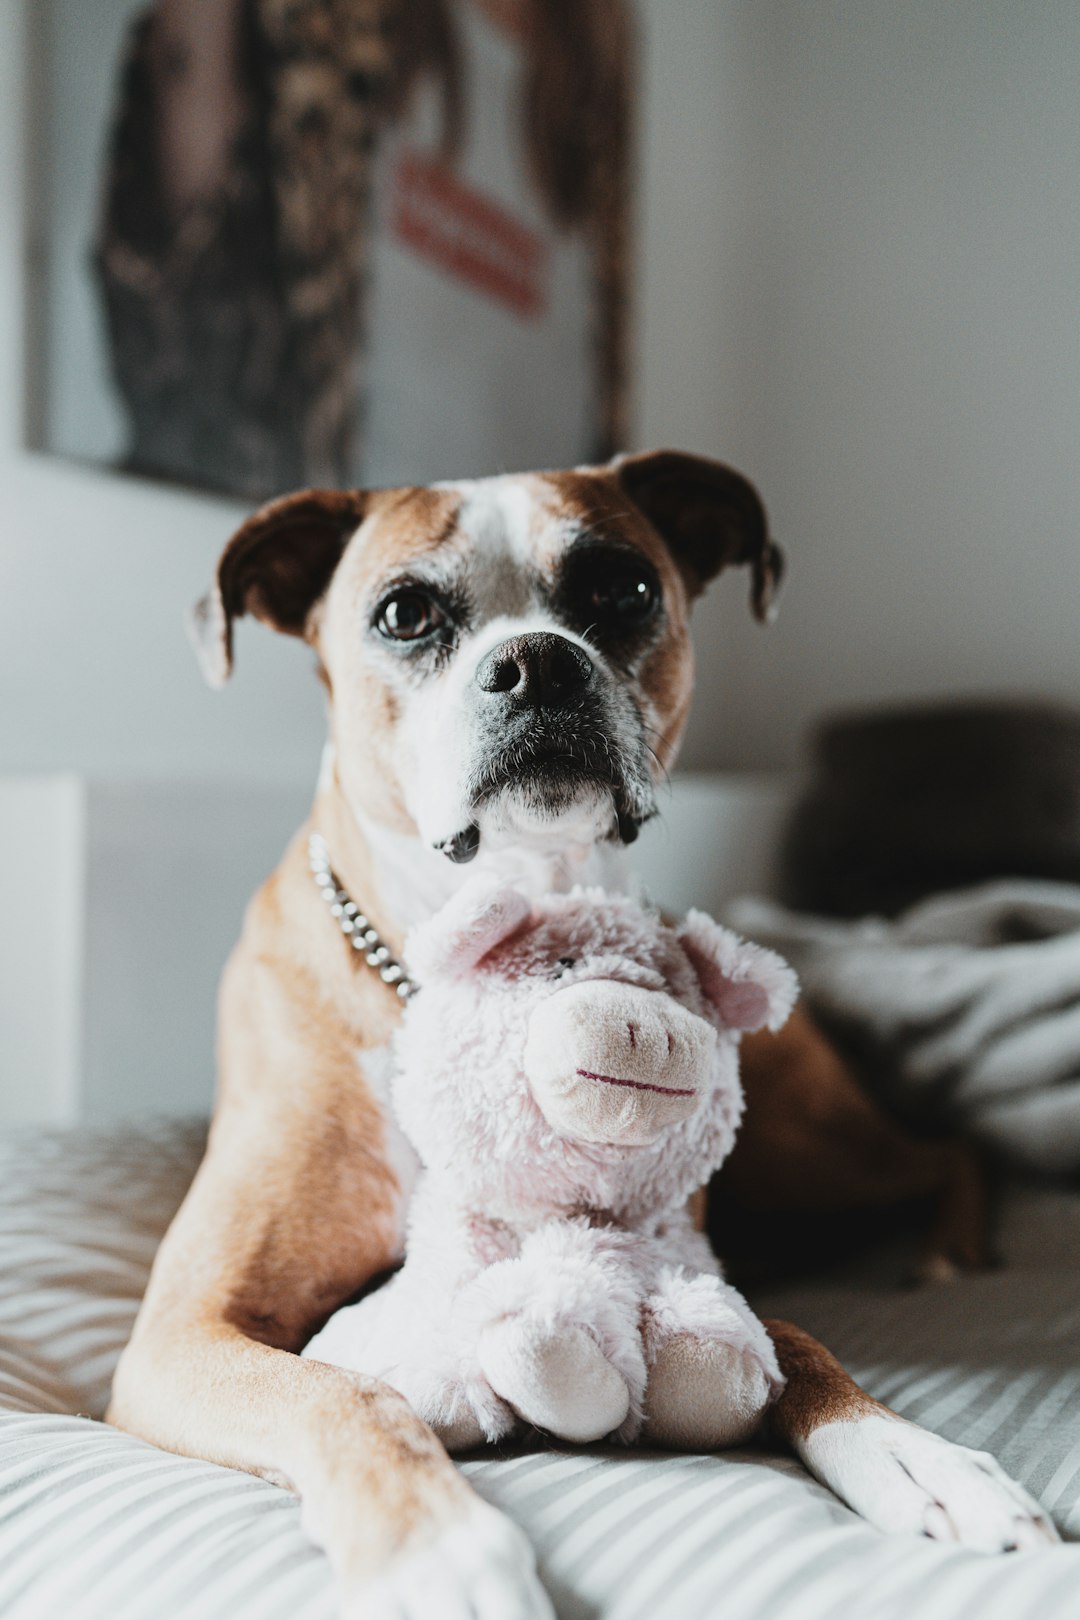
{"x": 705, "y": 1394}
{"x": 462, "y": 1416}
{"x": 903, "y": 1478}
{"x": 479, "y": 1568}
{"x": 561, "y": 1382}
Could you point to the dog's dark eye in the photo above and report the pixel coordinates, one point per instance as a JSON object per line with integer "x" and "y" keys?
{"x": 613, "y": 592}
{"x": 623, "y": 593}
{"x": 564, "y": 964}
{"x": 409, "y": 615}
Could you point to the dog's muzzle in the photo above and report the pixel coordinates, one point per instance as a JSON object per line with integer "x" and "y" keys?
{"x": 553, "y": 728}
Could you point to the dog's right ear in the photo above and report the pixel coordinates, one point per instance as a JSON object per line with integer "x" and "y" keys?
{"x": 276, "y": 566}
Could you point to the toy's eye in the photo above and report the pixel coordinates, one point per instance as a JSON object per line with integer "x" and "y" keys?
{"x": 409, "y": 615}
{"x": 565, "y": 963}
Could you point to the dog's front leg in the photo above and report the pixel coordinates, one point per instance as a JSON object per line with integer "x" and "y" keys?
{"x": 293, "y": 1210}
{"x": 378, "y": 1492}
{"x": 897, "y": 1475}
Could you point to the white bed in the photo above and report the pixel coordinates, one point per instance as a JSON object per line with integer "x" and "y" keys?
{"x": 97, "y": 1526}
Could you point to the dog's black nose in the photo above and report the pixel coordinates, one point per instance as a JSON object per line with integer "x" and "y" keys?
{"x": 542, "y": 670}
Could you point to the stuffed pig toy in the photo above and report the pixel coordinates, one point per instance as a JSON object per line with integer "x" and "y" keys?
{"x": 568, "y": 1075}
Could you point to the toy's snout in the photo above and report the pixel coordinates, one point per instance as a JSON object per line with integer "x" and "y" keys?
{"x": 616, "y": 1063}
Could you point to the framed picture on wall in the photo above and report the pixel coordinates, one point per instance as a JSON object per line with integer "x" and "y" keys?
{"x": 294, "y": 242}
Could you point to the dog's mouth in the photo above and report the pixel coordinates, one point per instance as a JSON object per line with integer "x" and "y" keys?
{"x": 547, "y": 773}
{"x": 550, "y": 770}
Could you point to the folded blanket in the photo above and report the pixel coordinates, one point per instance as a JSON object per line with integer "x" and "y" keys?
{"x": 963, "y": 1011}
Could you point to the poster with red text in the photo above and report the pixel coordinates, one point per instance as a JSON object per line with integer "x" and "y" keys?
{"x": 345, "y": 242}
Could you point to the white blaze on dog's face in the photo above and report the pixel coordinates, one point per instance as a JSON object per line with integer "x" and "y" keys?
{"x": 508, "y": 659}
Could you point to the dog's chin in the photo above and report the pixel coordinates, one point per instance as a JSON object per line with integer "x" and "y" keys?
{"x": 546, "y": 811}
{"x": 544, "y": 792}
{"x": 542, "y": 809}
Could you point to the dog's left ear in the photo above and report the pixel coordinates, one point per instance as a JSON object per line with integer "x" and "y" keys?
{"x": 750, "y": 987}
{"x": 710, "y": 517}
{"x": 276, "y": 566}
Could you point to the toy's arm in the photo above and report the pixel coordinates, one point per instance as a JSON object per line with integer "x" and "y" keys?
{"x": 557, "y": 1330}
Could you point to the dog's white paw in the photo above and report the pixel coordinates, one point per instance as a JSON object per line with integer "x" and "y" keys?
{"x": 705, "y": 1394}
{"x": 905, "y": 1479}
{"x": 479, "y": 1568}
{"x": 560, "y": 1382}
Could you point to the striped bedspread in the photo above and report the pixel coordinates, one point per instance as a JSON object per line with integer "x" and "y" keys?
{"x": 95, "y": 1524}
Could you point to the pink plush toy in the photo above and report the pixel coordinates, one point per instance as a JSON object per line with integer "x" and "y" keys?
{"x": 568, "y": 1075}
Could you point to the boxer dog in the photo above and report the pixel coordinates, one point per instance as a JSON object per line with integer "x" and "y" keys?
{"x": 508, "y": 671}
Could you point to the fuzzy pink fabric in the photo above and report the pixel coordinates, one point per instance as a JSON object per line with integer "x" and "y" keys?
{"x": 568, "y": 1075}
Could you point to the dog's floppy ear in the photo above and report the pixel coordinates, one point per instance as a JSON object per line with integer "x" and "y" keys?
{"x": 710, "y": 516}
{"x": 276, "y": 566}
{"x": 750, "y": 987}
{"x": 472, "y": 923}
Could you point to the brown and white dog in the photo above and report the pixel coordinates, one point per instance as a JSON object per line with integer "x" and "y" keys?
{"x": 509, "y": 670}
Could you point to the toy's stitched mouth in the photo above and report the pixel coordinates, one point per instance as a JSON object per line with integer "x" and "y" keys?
{"x": 636, "y": 1085}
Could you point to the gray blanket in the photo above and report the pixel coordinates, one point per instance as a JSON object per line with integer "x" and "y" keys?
{"x": 965, "y": 1010}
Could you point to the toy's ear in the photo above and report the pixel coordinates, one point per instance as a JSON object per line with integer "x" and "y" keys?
{"x": 453, "y": 942}
{"x": 750, "y": 987}
{"x": 276, "y": 567}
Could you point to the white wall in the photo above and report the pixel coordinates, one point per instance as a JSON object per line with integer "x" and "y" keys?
{"x": 863, "y": 287}
{"x": 168, "y": 872}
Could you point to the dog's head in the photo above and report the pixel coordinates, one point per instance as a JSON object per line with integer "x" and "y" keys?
{"x": 508, "y": 657}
